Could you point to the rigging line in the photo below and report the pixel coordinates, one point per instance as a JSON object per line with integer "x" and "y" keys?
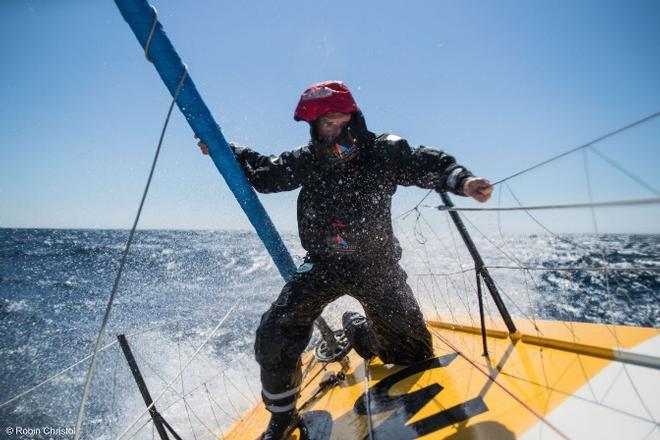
{"x": 428, "y": 265}
{"x": 208, "y": 396}
{"x": 569, "y": 325}
{"x": 55, "y": 376}
{"x": 452, "y": 234}
{"x": 58, "y": 374}
{"x": 450, "y": 280}
{"x": 433, "y": 303}
{"x": 455, "y": 256}
{"x": 113, "y": 397}
{"x": 147, "y": 45}
{"x": 106, "y": 315}
{"x": 525, "y": 315}
{"x": 509, "y": 248}
{"x": 306, "y": 370}
{"x": 607, "y": 281}
{"x": 215, "y": 376}
{"x": 529, "y": 299}
{"x": 625, "y": 171}
{"x": 496, "y": 382}
{"x": 545, "y": 269}
{"x": 217, "y": 404}
{"x": 651, "y": 431}
{"x": 552, "y": 389}
{"x": 213, "y": 332}
{"x": 444, "y": 274}
{"x": 466, "y": 305}
{"x": 231, "y": 402}
{"x": 183, "y": 391}
{"x": 611, "y": 386}
{"x": 553, "y": 234}
{"x": 450, "y": 308}
{"x": 466, "y": 280}
{"x": 566, "y": 153}
{"x": 585, "y": 375}
{"x": 428, "y": 262}
{"x": 190, "y": 393}
{"x": 247, "y": 383}
{"x": 181, "y": 395}
{"x": 367, "y": 399}
{"x": 247, "y": 399}
{"x": 146, "y": 422}
{"x": 499, "y": 228}
{"x": 487, "y": 301}
{"x": 538, "y": 222}
{"x": 606, "y": 204}
{"x": 419, "y": 235}
{"x": 613, "y": 330}
{"x": 502, "y": 251}
{"x": 554, "y": 269}
{"x": 583, "y": 269}
{"x": 587, "y": 175}
{"x": 406, "y": 213}
{"x": 444, "y": 297}
{"x": 525, "y": 273}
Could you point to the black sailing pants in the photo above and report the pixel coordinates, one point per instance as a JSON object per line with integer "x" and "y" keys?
{"x": 398, "y": 329}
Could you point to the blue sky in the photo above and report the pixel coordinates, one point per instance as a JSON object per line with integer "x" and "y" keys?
{"x": 500, "y": 85}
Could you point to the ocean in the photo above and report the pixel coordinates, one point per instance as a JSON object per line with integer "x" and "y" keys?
{"x": 177, "y": 285}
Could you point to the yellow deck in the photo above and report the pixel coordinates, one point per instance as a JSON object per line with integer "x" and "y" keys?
{"x": 558, "y": 380}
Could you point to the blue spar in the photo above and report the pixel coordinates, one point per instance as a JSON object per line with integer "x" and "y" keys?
{"x": 140, "y": 17}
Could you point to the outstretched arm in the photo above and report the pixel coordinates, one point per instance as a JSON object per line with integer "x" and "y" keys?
{"x": 266, "y": 173}
{"x": 434, "y": 169}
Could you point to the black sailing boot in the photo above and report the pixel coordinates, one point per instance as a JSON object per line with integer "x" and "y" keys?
{"x": 280, "y": 425}
{"x": 358, "y": 333}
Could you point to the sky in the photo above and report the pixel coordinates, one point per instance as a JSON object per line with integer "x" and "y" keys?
{"x": 500, "y": 85}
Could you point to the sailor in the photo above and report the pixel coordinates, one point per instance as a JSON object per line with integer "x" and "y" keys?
{"x": 347, "y": 176}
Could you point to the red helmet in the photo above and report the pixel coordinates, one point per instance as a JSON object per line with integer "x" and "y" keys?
{"x": 322, "y": 98}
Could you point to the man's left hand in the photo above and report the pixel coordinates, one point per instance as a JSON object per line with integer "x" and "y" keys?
{"x": 478, "y": 188}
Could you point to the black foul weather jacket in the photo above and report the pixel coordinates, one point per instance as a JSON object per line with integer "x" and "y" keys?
{"x": 346, "y": 187}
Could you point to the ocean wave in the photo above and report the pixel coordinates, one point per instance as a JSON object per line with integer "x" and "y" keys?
{"x": 55, "y": 285}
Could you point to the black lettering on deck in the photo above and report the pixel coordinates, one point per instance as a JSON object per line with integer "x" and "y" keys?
{"x": 407, "y": 405}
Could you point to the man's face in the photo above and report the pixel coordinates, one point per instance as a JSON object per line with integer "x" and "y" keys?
{"x": 330, "y": 126}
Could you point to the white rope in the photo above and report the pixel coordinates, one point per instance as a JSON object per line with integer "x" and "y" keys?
{"x": 613, "y": 330}
{"x": 147, "y": 45}
{"x": 217, "y": 327}
{"x": 247, "y": 399}
{"x": 208, "y": 396}
{"x": 630, "y": 174}
{"x": 181, "y": 396}
{"x": 166, "y": 408}
{"x": 608, "y": 204}
{"x": 108, "y": 308}
{"x": 55, "y": 376}
{"x": 581, "y": 147}
{"x": 547, "y": 269}
{"x": 61, "y": 372}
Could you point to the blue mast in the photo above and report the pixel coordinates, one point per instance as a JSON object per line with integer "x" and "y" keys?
{"x": 143, "y": 20}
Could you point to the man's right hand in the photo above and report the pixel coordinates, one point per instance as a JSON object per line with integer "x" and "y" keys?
{"x": 478, "y": 188}
{"x": 202, "y": 146}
